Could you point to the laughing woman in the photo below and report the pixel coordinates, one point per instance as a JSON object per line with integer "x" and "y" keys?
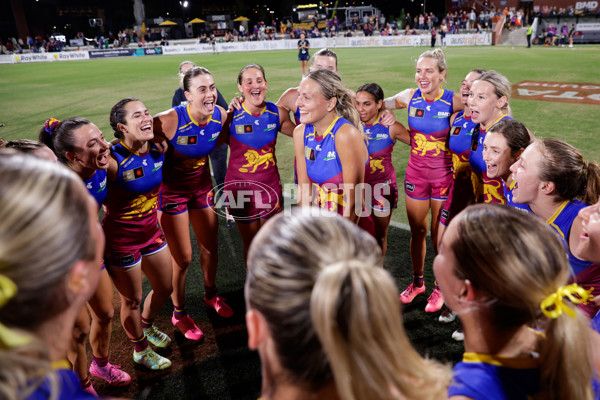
{"x": 252, "y": 133}
{"x": 134, "y": 239}
{"x": 187, "y": 194}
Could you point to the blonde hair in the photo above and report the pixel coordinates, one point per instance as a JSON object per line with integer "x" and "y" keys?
{"x": 518, "y": 264}
{"x": 333, "y": 312}
{"x": 332, "y": 86}
{"x": 44, "y": 231}
{"x": 502, "y": 87}
{"x": 439, "y": 56}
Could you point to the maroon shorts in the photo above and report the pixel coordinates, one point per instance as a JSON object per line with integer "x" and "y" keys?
{"x": 128, "y": 241}
{"x": 248, "y": 201}
{"x": 420, "y": 184}
{"x": 384, "y": 196}
{"x": 176, "y": 198}
{"x": 460, "y": 196}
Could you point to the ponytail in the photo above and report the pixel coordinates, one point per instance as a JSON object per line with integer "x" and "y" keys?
{"x": 59, "y": 136}
{"x": 591, "y": 170}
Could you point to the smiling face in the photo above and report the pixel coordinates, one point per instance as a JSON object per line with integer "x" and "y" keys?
{"x": 367, "y": 107}
{"x": 526, "y": 175}
{"x": 202, "y": 94}
{"x": 465, "y": 87}
{"x": 92, "y": 148}
{"x": 588, "y": 244}
{"x": 138, "y": 123}
{"x": 428, "y": 76}
{"x": 253, "y": 87}
{"x": 484, "y": 104}
{"x": 497, "y": 155}
{"x": 311, "y": 102}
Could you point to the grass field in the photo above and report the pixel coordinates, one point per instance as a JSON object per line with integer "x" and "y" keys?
{"x": 31, "y": 93}
{"x": 221, "y": 367}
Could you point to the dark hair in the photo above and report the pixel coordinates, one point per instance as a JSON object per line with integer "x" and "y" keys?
{"x": 247, "y": 67}
{"x": 117, "y": 115}
{"x": 61, "y": 139}
{"x": 372, "y": 88}
{"x": 325, "y": 52}
{"x": 516, "y": 134}
{"x": 191, "y": 74}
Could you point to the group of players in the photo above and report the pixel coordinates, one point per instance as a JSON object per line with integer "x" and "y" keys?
{"x": 465, "y": 148}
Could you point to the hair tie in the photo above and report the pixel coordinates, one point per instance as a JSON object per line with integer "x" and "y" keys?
{"x": 554, "y": 305}
{"x": 8, "y": 337}
{"x": 50, "y": 124}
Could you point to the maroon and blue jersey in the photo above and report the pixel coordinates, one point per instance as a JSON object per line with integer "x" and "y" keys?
{"x": 459, "y": 142}
{"x": 380, "y": 146}
{"x": 68, "y": 387}
{"x": 429, "y": 126}
{"x": 487, "y": 377}
{"x": 487, "y": 190}
{"x": 508, "y": 194}
{"x": 187, "y": 158}
{"x": 134, "y": 194}
{"x": 297, "y": 116}
{"x": 96, "y": 185}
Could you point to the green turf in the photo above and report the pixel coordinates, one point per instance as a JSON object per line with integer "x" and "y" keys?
{"x": 31, "y": 93}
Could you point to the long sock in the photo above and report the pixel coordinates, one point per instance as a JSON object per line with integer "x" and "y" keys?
{"x": 101, "y": 361}
{"x": 418, "y": 280}
{"x": 179, "y": 312}
{"x": 210, "y": 291}
{"x": 147, "y": 323}
{"x": 140, "y": 343}
{"x": 85, "y": 383}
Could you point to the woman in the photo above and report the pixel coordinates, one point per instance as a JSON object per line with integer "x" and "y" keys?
{"x": 502, "y": 147}
{"x": 50, "y": 262}
{"x": 252, "y": 134}
{"x": 331, "y": 155}
{"x": 429, "y": 171}
{"x": 303, "y": 55}
{"x": 317, "y": 344}
{"x": 36, "y": 149}
{"x": 555, "y": 183}
{"x": 501, "y": 282}
{"x": 488, "y": 102}
{"x": 134, "y": 239}
{"x": 186, "y": 192}
{"x": 81, "y": 146}
{"x": 381, "y": 141}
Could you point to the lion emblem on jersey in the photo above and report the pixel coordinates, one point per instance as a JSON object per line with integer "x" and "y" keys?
{"x": 376, "y": 165}
{"x": 255, "y": 160}
{"x": 423, "y": 145}
{"x": 191, "y": 164}
{"x": 141, "y": 205}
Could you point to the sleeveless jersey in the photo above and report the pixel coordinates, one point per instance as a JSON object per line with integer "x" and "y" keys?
{"x": 380, "y": 146}
{"x": 297, "y": 116}
{"x": 487, "y": 190}
{"x": 486, "y": 377}
{"x": 187, "y": 158}
{"x": 429, "y": 123}
{"x": 134, "y": 194}
{"x": 459, "y": 142}
{"x": 96, "y": 185}
{"x": 508, "y": 194}
{"x": 252, "y": 145}
{"x": 561, "y": 222}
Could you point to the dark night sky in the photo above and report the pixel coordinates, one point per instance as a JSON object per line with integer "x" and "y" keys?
{"x": 70, "y": 17}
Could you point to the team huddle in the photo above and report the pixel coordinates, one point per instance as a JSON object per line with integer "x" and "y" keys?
{"x": 515, "y": 225}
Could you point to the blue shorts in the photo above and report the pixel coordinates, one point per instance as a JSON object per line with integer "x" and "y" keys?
{"x": 303, "y": 57}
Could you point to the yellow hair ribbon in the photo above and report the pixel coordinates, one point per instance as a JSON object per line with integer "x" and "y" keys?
{"x": 553, "y": 305}
{"x": 8, "y": 337}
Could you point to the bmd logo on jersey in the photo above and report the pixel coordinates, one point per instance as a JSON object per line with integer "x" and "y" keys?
{"x": 187, "y": 140}
{"x": 242, "y": 129}
{"x": 133, "y": 174}
{"x": 416, "y": 112}
{"x": 456, "y": 130}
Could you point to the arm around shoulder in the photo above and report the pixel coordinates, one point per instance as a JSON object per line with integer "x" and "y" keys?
{"x": 399, "y": 100}
{"x": 304, "y": 187}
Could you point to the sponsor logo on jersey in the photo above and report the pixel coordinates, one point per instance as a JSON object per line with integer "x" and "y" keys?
{"x": 444, "y": 191}
{"x": 214, "y": 136}
{"x": 416, "y": 112}
{"x": 144, "y": 163}
{"x": 270, "y": 127}
{"x": 318, "y": 147}
{"x": 102, "y": 185}
{"x": 309, "y": 153}
{"x": 256, "y": 122}
{"x": 456, "y": 130}
{"x": 242, "y": 129}
{"x": 157, "y": 166}
{"x": 410, "y": 187}
{"x": 442, "y": 114}
{"x": 330, "y": 156}
{"x": 187, "y": 140}
{"x": 133, "y": 174}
